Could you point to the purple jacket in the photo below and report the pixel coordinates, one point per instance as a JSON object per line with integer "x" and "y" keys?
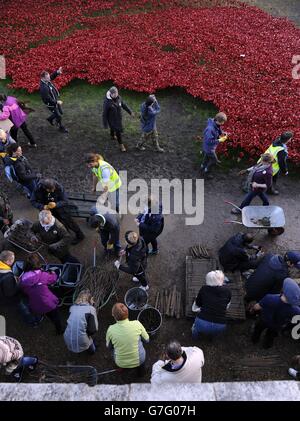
{"x": 35, "y": 285}
{"x": 13, "y": 111}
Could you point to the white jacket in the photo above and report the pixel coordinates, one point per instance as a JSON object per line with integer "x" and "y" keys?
{"x": 190, "y": 372}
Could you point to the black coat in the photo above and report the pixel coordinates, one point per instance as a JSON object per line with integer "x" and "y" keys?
{"x": 9, "y": 289}
{"x": 112, "y": 113}
{"x": 267, "y": 279}
{"x": 136, "y": 258}
{"x": 23, "y": 171}
{"x": 40, "y": 197}
{"x": 233, "y": 253}
{"x": 57, "y": 237}
{"x": 49, "y": 92}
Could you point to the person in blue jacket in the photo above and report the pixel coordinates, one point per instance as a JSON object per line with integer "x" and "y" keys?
{"x": 212, "y": 136}
{"x": 276, "y": 312}
{"x": 151, "y": 224}
{"x": 149, "y": 110}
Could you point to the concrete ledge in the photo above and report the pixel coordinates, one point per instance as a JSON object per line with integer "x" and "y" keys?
{"x": 238, "y": 391}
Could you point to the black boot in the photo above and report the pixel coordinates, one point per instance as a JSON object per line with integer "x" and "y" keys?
{"x": 258, "y": 329}
{"x": 268, "y": 339}
{"x": 63, "y": 129}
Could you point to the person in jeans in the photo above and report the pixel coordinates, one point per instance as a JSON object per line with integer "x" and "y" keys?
{"x": 211, "y": 303}
{"x": 136, "y": 259}
{"x": 178, "y": 365}
{"x": 12, "y": 109}
{"x": 82, "y": 324}
{"x": 125, "y": 338}
{"x": 213, "y": 135}
{"x": 276, "y": 312}
{"x": 35, "y": 283}
{"x": 112, "y": 115}
{"x": 149, "y": 110}
{"x": 259, "y": 181}
{"x": 13, "y": 359}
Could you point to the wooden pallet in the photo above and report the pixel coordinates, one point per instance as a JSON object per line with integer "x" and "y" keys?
{"x": 196, "y": 269}
{"x": 81, "y": 204}
{"x": 236, "y": 310}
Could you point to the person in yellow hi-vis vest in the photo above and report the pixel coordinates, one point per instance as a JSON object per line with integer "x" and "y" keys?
{"x": 105, "y": 174}
{"x": 280, "y": 153}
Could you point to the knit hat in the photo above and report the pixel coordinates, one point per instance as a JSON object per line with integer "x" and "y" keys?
{"x": 294, "y": 257}
{"x": 128, "y": 234}
{"x": 284, "y": 137}
{"x": 276, "y": 262}
{"x": 291, "y": 291}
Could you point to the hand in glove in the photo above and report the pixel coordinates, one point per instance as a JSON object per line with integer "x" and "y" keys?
{"x": 117, "y": 264}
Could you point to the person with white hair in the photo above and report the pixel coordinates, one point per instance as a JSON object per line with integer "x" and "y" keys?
{"x": 5, "y": 141}
{"x": 211, "y": 304}
{"x": 50, "y": 231}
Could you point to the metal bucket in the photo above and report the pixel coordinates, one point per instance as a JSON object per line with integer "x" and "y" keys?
{"x": 151, "y": 319}
{"x": 136, "y": 299}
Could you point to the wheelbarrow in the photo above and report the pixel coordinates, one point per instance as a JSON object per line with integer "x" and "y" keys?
{"x": 261, "y": 217}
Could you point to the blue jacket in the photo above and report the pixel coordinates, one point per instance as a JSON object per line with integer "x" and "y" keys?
{"x": 211, "y": 136}
{"x": 148, "y": 116}
{"x": 275, "y": 313}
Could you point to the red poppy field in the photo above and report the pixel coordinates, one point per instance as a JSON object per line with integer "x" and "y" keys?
{"x": 236, "y": 56}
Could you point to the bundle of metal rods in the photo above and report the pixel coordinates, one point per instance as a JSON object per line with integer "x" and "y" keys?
{"x": 65, "y": 374}
{"x": 168, "y": 302}
{"x": 101, "y": 281}
{"x": 262, "y": 362}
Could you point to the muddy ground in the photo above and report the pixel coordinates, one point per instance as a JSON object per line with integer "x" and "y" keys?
{"x": 181, "y": 120}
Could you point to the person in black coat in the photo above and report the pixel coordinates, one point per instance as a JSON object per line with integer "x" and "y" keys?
{"x": 136, "y": 259}
{"x": 24, "y": 173}
{"x": 6, "y": 215}
{"x": 108, "y": 226}
{"x": 112, "y": 115}
{"x": 233, "y": 255}
{"x": 151, "y": 224}
{"x": 268, "y": 277}
{"x": 50, "y": 195}
{"x": 50, "y": 97}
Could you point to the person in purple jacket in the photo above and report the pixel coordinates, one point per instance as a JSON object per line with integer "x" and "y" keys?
{"x": 34, "y": 282}
{"x": 11, "y": 108}
{"x": 213, "y": 135}
{"x": 259, "y": 181}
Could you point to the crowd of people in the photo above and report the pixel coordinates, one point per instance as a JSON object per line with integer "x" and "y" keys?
{"x": 271, "y": 293}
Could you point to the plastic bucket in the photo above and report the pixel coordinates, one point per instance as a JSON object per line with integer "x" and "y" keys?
{"x": 136, "y": 299}
{"x": 151, "y": 319}
{"x": 71, "y": 274}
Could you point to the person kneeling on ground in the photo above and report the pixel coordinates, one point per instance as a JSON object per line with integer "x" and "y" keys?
{"x": 269, "y": 275}
{"x": 178, "y": 365}
{"x": 211, "y": 303}
{"x": 53, "y": 233}
{"x": 34, "y": 282}
{"x": 136, "y": 259}
{"x": 126, "y": 339}
{"x": 13, "y": 359}
{"x": 233, "y": 255}
{"x": 276, "y": 311}
{"x": 50, "y": 195}
{"x": 82, "y": 324}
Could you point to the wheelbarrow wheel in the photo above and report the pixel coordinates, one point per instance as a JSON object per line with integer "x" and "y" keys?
{"x": 276, "y": 231}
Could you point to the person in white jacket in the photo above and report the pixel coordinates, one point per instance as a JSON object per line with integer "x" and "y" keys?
{"x": 182, "y": 365}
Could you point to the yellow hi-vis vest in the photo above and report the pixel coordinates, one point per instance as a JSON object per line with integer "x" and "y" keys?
{"x": 114, "y": 182}
{"x": 273, "y": 150}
